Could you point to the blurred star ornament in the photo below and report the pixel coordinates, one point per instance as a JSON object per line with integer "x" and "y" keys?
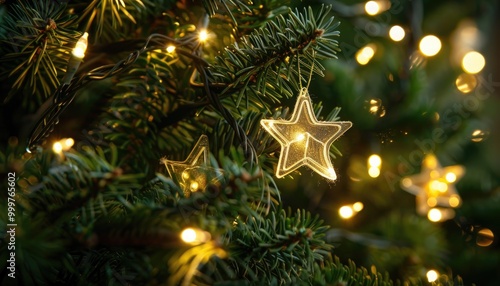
{"x": 194, "y": 173}
{"x": 434, "y": 187}
{"x": 304, "y": 140}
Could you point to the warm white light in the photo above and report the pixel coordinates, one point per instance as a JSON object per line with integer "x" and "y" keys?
{"x": 194, "y": 186}
{"x": 396, "y": 33}
{"x": 81, "y": 46}
{"x": 68, "y": 143}
{"x": 331, "y": 171}
{"x": 301, "y": 137}
{"x": 203, "y": 35}
{"x": 170, "y": 49}
{"x": 372, "y": 8}
{"x": 57, "y": 147}
{"x": 473, "y": 62}
{"x": 195, "y": 236}
{"x": 432, "y": 276}
{"x": 451, "y": 177}
{"x": 374, "y": 172}
{"x": 357, "y": 206}
{"x": 374, "y": 160}
{"x": 188, "y": 235}
{"x": 454, "y": 201}
{"x": 430, "y": 45}
{"x": 346, "y": 212}
{"x": 434, "y": 215}
{"x": 432, "y": 201}
{"x": 437, "y": 186}
{"x": 365, "y": 54}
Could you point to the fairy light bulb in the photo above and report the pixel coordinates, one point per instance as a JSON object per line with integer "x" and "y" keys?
{"x": 435, "y": 215}
{"x": 454, "y": 201}
{"x": 358, "y": 206}
{"x": 374, "y": 160}
{"x": 450, "y": 177}
{"x": 473, "y": 62}
{"x": 81, "y": 46}
{"x": 430, "y": 45}
{"x": 396, "y": 33}
{"x": 300, "y": 137}
{"x": 57, "y": 147}
{"x": 203, "y": 35}
{"x": 346, "y": 212}
{"x": 77, "y": 55}
{"x": 170, "y": 49}
{"x": 372, "y": 8}
{"x": 68, "y": 143}
{"x": 194, "y": 236}
{"x": 188, "y": 235}
{"x": 432, "y": 275}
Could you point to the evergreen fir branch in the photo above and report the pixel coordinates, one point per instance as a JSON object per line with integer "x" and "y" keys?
{"x": 110, "y": 15}
{"x": 212, "y": 6}
{"x": 36, "y": 47}
{"x": 81, "y": 180}
{"x": 263, "y": 62}
{"x": 278, "y": 247}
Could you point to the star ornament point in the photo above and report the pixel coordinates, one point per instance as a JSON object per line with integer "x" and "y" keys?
{"x": 304, "y": 140}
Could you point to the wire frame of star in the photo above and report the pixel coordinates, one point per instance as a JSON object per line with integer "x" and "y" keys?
{"x": 195, "y": 173}
{"x": 434, "y": 188}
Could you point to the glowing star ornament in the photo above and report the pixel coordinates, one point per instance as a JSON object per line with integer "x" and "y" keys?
{"x": 434, "y": 187}
{"x": 194, "y": 173}
{"x": 304, "y": 140}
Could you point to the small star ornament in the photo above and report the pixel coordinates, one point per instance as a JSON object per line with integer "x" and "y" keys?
{"x": 434, "y": 188}
{"x": 194, "y": 173}
{"x": 304, "y": 140}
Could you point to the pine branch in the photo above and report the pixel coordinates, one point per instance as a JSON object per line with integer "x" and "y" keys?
{"x": 36, "y": 48}
{"x": 264, "y": 62}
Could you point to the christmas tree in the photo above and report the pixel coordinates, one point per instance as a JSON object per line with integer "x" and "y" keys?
{"x": 260, "y": 142}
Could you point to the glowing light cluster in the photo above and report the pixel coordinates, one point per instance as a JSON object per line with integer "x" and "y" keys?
{"x": 434, "y": 189}
{"x": 365, "y": 54}
{"x": 62, "y": 145}
{"x": 348, "y": 211}
{"x": 374, "y": 165}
